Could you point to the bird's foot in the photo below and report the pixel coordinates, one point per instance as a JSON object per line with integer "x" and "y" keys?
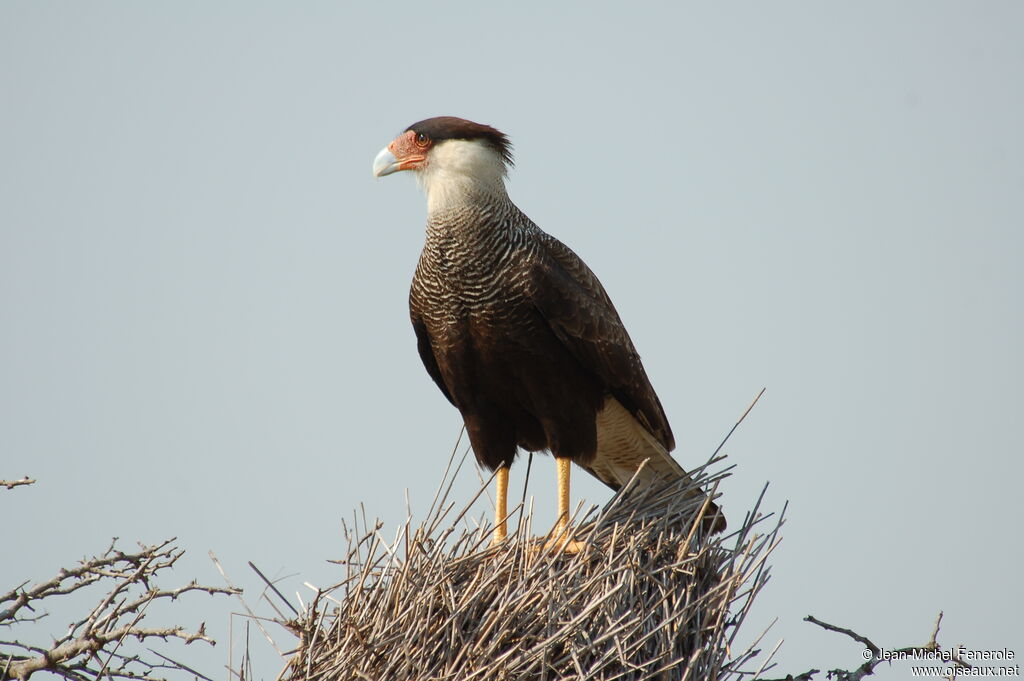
{"x": 561, "y": 539}
{"x": 570, "y": 546}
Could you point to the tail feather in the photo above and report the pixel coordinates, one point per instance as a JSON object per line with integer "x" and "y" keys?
{"x": 623, "y": 444}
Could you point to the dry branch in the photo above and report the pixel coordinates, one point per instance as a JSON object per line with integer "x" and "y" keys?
{"x": 927, "y": 655}
{"x": 650, "y": 597}
{"x": 92, "y": 646}
{"x": 11, "y": 484}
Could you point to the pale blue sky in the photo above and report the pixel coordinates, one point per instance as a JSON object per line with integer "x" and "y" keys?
{"x": 203, "y": 289}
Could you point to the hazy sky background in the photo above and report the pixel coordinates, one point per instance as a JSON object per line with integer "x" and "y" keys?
{"x": 203, "y": 322}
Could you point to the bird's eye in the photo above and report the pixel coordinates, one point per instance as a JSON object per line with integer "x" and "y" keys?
{"x": 422, "y": 140}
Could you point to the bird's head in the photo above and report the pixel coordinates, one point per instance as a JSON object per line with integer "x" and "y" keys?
{"x": 452, "y": 158}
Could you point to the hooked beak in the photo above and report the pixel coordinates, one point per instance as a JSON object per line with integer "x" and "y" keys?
{"x": 402, "y": 154}
{"x": 385, "y": 163}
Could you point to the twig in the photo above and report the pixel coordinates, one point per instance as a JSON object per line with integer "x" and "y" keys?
{"x": 11, "y": 484}
{"x": 876, "y": 653}
{"x": 846, "y": 632}
{"x": 737, "y": 424}
{"x": 111, "y": 624}
{"x": 273, "y": 588}
{"x": 238, "y": 594}
{"x": 440, "y": 602}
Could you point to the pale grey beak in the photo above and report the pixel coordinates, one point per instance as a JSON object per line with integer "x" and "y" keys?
{"x": 385, "y": 163}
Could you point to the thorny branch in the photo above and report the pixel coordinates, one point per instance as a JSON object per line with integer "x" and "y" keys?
{"x": 91, "y": 648}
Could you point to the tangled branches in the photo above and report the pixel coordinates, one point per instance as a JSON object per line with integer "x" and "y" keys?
{"x": 93, "y": 646}
{"x": 651, "y": 597}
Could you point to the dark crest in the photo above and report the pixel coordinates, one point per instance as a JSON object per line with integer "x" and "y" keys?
{"x": 452, "y": 128}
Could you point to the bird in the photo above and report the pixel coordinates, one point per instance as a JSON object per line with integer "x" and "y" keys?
{"x": 518, "y": 332}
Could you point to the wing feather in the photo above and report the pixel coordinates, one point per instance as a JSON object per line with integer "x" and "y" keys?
{"x": 427, "y": 354}
{"x": 575, "y": 305}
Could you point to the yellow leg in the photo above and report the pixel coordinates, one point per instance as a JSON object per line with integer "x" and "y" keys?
{"x": 564, "y": 466}
{"x": 561, "y": 532}
{"x": 501, "y": 505}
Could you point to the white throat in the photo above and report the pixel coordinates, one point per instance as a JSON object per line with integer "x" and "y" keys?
{"x": 460, "y": 172}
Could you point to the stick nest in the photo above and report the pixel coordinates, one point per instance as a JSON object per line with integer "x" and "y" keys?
{"x": 651, "y": 597}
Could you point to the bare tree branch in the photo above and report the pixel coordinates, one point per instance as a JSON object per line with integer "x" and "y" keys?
{"x": 877, "y": 654}
{"x": 11, "y": 484}
{"x": 113, "y": 622}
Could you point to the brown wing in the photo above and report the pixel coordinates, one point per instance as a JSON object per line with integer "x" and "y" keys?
{"x": 632, "y": 428}
{"x": 579, "y": 311}
{"x": 427, "y": 352}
